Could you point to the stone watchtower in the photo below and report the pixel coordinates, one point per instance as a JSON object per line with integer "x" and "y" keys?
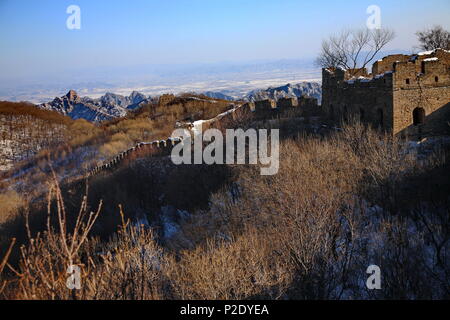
{"x": 407, "y": 95}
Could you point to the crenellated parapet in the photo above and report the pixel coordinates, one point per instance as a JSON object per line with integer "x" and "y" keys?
{"x": 157, "y": 146}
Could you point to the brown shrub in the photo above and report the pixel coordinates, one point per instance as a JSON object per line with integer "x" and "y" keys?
{"x": 10, "y": 203}
{"x": 242, "y": 268}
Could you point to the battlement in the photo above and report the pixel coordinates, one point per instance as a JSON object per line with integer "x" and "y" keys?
{"x": 166, "y": 99}
{"x": 404, "y": 67}
{"x": 387, "y": 63}
{"x": 429, "y": 69}
{"x": 263, "y": 105}
{"x": 287, "y": 103}
{"x": 333, "y": 76}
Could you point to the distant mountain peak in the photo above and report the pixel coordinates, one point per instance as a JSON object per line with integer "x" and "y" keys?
{"x": 72, "y": 95}
{"x": 107, "y": 107}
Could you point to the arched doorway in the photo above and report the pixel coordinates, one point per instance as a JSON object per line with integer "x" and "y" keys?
{"x": 418, "y": 116}
{"x": 361, "y": 114}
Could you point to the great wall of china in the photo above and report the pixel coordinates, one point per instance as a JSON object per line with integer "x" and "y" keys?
{"x": 261, "y": 108}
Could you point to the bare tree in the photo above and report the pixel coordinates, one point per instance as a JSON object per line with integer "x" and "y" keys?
{"x": 353, "y": 49}
{"x": 436, "y": 37}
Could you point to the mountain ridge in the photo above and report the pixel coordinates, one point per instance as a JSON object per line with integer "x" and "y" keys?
{"x": 111, "y": 105}
{"x": 312, "y": 89}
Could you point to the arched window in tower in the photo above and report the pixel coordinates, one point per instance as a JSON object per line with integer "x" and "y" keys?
{"x": 345, "y": 113}
{"x": 418, "y": 116}
{"x": 380, "y": 118}
{"x": 331, "y": 111}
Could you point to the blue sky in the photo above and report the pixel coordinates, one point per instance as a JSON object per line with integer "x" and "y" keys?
{"x": 34, "y": 38}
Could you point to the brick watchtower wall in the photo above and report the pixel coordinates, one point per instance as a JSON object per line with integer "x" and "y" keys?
{"x": 422, "y": 95}
{"x": 368, "y": 99}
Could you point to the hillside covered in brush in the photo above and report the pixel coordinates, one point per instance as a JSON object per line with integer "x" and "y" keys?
{"x": 31, "y": 136}
{"x": 341, "y": 200}
{"x": 25, "y": 130}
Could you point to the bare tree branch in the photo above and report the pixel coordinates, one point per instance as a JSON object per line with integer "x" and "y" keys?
{"x": 353, "y": 49}
{"x": 434, "y": 38}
